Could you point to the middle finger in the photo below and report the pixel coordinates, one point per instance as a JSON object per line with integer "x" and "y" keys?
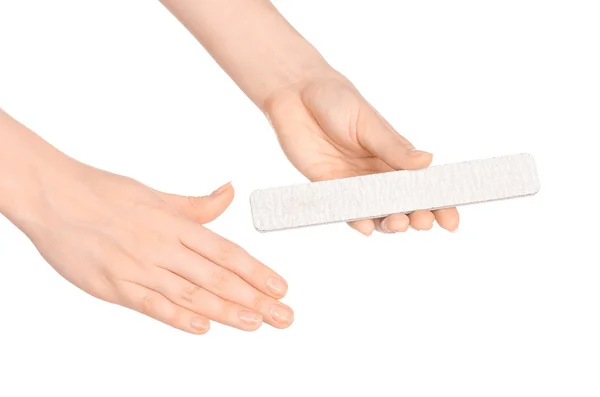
{"x": 229, "y": 286}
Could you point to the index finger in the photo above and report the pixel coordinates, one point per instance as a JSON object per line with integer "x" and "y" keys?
{"x": 233, "y": 258}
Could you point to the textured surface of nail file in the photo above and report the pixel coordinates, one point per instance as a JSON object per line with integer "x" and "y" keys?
{"x": 377, "y": 195}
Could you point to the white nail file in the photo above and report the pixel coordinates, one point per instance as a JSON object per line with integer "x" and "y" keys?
{"x": 379, "y": 195}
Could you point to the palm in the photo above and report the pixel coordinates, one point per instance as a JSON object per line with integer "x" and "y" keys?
{"x": 320, "y": 136}
{"x": 328, "y": 130}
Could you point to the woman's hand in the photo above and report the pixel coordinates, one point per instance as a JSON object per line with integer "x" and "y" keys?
{"x": 131, "y": 245}
{"x": 325, "y": 127}
{"x": 328, "y": 131}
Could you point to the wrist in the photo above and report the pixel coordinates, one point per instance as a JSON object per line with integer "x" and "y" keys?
{"x": 251, "y": 41}
{"x": 285, "y": 72}
{"x": 27, "y": 166}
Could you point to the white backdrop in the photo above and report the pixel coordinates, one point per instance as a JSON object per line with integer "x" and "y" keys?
{"x": 508, "y": 305}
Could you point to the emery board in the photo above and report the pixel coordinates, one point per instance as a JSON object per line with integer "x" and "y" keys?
{"x": 379, "y": 195}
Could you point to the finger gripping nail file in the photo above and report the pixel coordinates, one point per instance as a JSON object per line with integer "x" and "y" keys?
{"x": 378, "y": 195}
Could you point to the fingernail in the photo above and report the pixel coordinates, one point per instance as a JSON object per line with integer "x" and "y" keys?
{"x": 277, "y": 286}
{"x": 384, "y": 226}
{"x": 221, "y": 189}
{"x": 199, "y": 324}
{"x": 282, "y": 315}
{"x": 418, "y": 153}
{"x": 250, "y": 318}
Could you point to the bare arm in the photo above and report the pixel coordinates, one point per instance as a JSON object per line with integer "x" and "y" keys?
{"x": 251, "y": 41}
{"x": 128, "y": 244}
{"x": 324, "y": 125}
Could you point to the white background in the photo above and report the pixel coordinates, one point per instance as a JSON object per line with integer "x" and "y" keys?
{"x": 508, "y": 305}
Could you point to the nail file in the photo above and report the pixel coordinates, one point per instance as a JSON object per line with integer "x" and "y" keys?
{"x": 379, "y": 195}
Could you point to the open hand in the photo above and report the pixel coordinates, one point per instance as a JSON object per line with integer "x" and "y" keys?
{"x": 131, "y": 245}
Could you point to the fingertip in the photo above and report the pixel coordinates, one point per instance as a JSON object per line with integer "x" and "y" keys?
{"x": 396, "y": 223}
{"x": 250, "y": 320}
{"x": 283, "y": 325}
{"x": 384, "y": 226}
{"x": 225, "y": 189}
{"x": 199, "y": 325}
{"x": 366, "y": 227}
{"x": 417, "y": 159}
{"x": 282, "y": 316}
{"x": 447, "y": 218}
{"x": 277, "y": 286}
{"x": 421, "y": 220}
{"x": 254, "y": 328}
{"x": 419, "y": 153}
{"x": 400, "y": 222}
{"x": 427, "y": 226}
{"x": 205, "y": 209}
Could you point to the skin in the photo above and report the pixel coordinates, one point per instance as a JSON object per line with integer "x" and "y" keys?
{"x": 128, "y": 244}
{"x": 324, "y": 125}
{"x": 131, "y": 245}
{"x": 328, "y": 131}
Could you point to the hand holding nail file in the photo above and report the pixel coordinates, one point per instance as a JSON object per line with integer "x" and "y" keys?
{"x": 379, "y": 195}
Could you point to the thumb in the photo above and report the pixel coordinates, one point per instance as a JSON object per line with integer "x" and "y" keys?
{"x": 202, "y": 209}
{"x": 377, "y": 136}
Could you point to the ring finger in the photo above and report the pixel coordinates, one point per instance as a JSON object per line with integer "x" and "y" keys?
{"x": 201, "y": 301}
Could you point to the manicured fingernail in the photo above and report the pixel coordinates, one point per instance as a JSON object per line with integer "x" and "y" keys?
{"x": 250, "y": 318}
{"x": 277, "y": 286}
{"x": 222, "y": 189}
{"x": 200, "y": 324}
{"x": 282, "y": 315}
{"x": 418, "y": 153}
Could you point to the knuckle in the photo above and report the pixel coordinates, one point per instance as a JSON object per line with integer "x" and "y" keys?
{"x": 106, "y": 292}
{"x": 195, "y": 202}
{"x": 172, "y": 317}
{"x": 147, "y": 304}
{"x": 220, "y": 278}
{"x": 101, "y": 286}
{"x": 257, "y": 302}
{"x": 189, "y": 292}
{"x": 257, "y": 271}
{"x": 227, "y": 252}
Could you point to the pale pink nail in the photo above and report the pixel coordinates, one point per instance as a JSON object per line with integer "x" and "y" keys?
{"x": 277, "y": 286}
{"x": 281, "y": 314}
{"x": 384, "y": 226}
{"x": 250, "y": 318}
{"x": 199, "y": 324}
{"x": 222, "y": 189}
{"x": 418, "y": 153}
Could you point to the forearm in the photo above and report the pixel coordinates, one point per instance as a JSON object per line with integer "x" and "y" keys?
{"x": 251, "y": 41}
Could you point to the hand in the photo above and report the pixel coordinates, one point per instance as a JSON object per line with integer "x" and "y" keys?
{"x": 125, "y": 243}
{"x": 328, "y": 131}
